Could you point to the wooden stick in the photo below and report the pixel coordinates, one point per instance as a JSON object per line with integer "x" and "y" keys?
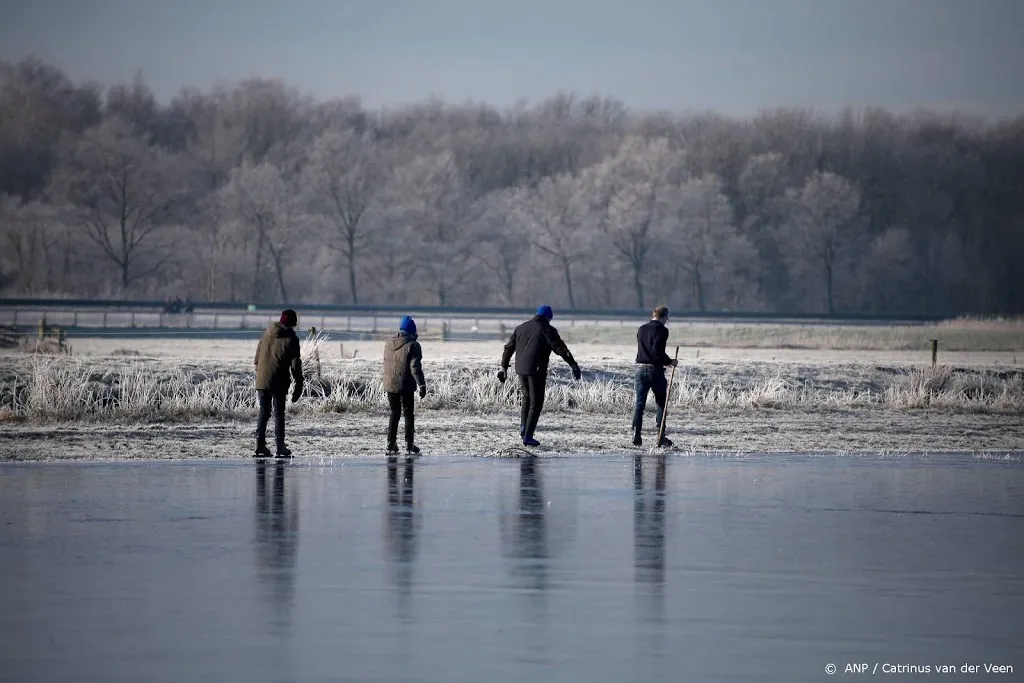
{"x": 668, "y": 392}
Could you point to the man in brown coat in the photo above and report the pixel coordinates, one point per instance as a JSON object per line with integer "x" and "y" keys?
{"x": 277, "y": 355}
{"x": 403, "y": 373}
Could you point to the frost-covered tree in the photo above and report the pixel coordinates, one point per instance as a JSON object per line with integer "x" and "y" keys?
{"x": 823, "y": 229}
{"x": 720, "y": 263}
{"x": 554, "y": 215}
{"x": 124, "y": 194}
{"x": 31, "y": 235}
{"x": 266, "y": 202}
{"x": 635, "y": 188}
{"x": 434, "y": 216}
{"x": 505, "y": 244}
{"x": 889, "y": 272}
{"x": 345, "y": 178}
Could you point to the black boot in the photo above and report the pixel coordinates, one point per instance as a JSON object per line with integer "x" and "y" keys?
{"x": 392, "y": 447}
{"x": 637, "y": 439}
{"x": 665, "y": 442}
{"x": 262, "y": 451}
{"x": 411, "y": 448}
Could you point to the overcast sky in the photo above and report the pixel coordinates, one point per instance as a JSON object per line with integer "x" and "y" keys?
{"x": 733, "y": 56}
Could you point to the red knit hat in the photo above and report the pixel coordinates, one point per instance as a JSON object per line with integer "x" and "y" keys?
{"x": 289, "y": 317}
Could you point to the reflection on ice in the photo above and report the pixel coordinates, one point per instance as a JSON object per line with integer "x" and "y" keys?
{"x": 649, "y": 535}
{"x": 400, "y": 531}
{"x": 606, "y": 568}
{"x": 525, "y": 537}
{"x": 277, "y": 540}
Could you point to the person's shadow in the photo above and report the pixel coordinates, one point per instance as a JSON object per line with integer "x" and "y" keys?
{"x": 400, "y": 532}
{"x": 277, "y": 540}
{"x": 649, "y": 536}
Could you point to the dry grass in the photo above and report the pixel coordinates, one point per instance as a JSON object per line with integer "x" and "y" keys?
{"x": 48, "y": 388}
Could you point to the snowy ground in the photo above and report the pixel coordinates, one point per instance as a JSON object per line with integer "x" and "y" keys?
{"x": 320, "y": 438}
{"x": 725, "y": 401}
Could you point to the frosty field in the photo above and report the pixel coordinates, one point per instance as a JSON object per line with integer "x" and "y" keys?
{"x": 194, "y": 399}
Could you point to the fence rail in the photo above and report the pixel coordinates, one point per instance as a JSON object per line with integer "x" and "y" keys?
{"x": 100, "y": 312}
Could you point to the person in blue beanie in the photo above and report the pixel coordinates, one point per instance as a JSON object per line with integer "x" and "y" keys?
{"x": 532, "y": 343}
{"x": 403, "y": 374}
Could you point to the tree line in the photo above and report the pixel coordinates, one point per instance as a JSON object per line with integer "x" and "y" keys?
{"x": 251, "y": 192}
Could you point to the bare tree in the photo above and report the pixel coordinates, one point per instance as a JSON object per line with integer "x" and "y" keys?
{"x": 262, "y": 200}
{"x": 437, "y": 216}
{"x": 823, "y": 226}
{"x": 554, "y": 214}
{"x": 125, "y": 194}
{"x": 718, "y": 261}
{"x": 950, "y": 184}
{"x": 212, "y": 242}
{"x": 19, "y": 254}
{"x": 640, "y": 180}
{"x": 761, "y": 208}
{"x": 505, "y": 244}
{"x": 888, "y": 278}
{"x": 345, "y": 177}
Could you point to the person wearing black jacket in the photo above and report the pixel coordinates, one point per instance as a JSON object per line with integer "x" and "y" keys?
{"x": 532, "y": 343}
{"x": 651, "y": 361}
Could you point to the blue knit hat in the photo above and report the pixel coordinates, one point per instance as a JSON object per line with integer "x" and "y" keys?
{"x": 408, "y": 325}
{"x": 545, "y": 312}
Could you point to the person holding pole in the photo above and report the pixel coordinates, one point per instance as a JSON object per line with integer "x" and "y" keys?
{"x": 651, "y": 361}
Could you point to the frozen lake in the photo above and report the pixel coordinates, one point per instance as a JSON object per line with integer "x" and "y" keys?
{"x": 485, "y": 570}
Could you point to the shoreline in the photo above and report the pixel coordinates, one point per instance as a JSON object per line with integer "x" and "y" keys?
{"x": 457, "y": 433}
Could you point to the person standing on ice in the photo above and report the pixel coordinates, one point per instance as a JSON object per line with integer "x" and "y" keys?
{"x": 532, "y": 343}
{"x": 403, "y": 374}
{"x": 651, "y": 361}
{"x": 277, "y": 355}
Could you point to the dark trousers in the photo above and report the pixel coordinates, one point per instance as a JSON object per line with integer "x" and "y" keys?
{"x": 401, "y": 404}
{"x": 270, "y": 399}
{"x": 648, "y": 378}
{"x": 532, "y": 389}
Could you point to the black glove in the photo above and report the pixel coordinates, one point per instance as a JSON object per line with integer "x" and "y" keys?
{"x": 502, "y": 376}
{"x": 297, "y": 391}
{"x": 423, "y": 392}
{"x": 576, "y": 373}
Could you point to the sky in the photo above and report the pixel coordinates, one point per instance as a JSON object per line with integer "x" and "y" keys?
{"x": 731, "y": 56}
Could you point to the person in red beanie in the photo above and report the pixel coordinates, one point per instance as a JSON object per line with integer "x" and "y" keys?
{"x": 277, "y": 354}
